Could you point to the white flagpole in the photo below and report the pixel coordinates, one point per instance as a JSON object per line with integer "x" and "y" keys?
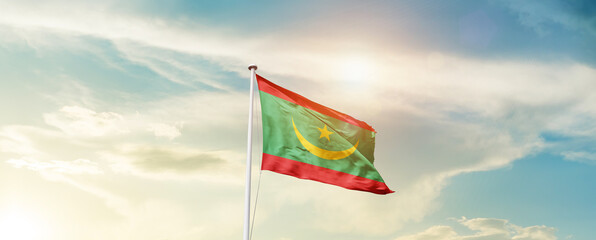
{"x": 252, "y": 69}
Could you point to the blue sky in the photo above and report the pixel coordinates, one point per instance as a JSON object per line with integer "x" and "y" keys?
{"x": 129, "y": 119}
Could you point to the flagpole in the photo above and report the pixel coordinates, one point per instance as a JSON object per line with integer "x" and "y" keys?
{"x": 252, "y": 69}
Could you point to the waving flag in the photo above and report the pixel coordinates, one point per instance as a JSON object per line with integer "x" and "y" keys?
{"x": 307, "y": 140}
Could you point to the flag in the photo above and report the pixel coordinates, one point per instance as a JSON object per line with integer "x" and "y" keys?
{"x": 307, "y": 140}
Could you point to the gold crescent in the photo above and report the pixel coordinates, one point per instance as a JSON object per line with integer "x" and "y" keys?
{"x": 322, "y": 153}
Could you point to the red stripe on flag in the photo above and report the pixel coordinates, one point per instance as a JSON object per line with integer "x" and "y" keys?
{"x": 321, "y": 174}
{"x": 280, "y": 92}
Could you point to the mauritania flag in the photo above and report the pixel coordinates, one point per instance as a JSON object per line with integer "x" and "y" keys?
{"x": 307, "y": 140}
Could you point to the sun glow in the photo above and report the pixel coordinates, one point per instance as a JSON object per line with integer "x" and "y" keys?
{"x": 356, "y": 69}
{"x": 16, "y": 224}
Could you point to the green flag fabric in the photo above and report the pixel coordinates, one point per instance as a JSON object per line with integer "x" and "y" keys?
{"x": 307, "y": 140}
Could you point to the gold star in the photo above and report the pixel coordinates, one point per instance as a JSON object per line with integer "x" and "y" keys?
{"x": 325, "y": 132}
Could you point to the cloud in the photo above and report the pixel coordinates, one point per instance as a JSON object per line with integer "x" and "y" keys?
{"x": 163, "y": 159}
{"x": 433, "y": 233}
{"x": 175, "y": 163}
{"x": 164, "y": 130}
{"x": 39, "y": 146}
{"x": 181, "y": 67}
{"x": 84, "y": 122}
{"x": 136, "y": 211}
{"x": 78, "y": 166}
{"x": 120, "y": 142}
{"x": 485, "y": 228}
{"x": 138, "y": 37}
{"x": 75, "y": 120}
{"x": 573, "y": 15}
{"x": 159, "y": 160}
{"x": 582, "y": 157}
{"x": 14, "y": 141}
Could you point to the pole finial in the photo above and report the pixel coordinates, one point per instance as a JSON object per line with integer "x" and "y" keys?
{"x": 250, "y": 67}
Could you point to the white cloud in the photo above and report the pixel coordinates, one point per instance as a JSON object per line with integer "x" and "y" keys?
{"x": 79, "y": 121}
{"x": 433, "y": 233}
{"x": 40, "y": 145}
{"x": 164, "y": 130}
{"x": 13, "y": 141}
{"x": 78, "y": 166}
{"x": 535, "y": 232}
{"x": 582, "y": 157}
{"x": 485, "y": 228}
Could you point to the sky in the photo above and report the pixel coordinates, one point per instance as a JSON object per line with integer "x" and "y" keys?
{"x": 128, "y": 119}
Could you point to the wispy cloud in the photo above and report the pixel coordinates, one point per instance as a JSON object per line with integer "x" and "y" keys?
{"x": 575, "y": 15}
{"x": 78, "y": 166}
{"x": 83, "y": 122}
{"x": 75, "y": 120}
{"x": 582, "y": 157}
{"x": 485, "y": 228}
{"x": 165, "y": 130}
